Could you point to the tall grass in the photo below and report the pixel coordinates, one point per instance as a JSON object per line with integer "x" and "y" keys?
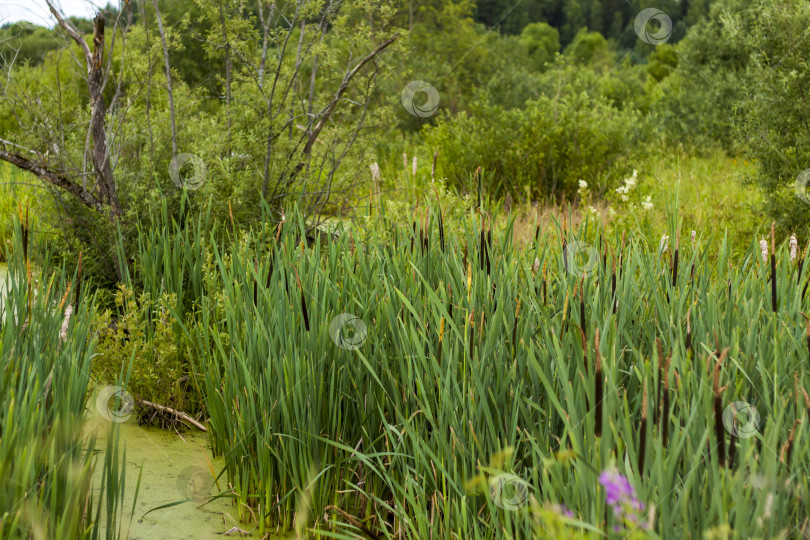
{"x": 46, "y": 460}
{"x": 14, "y": 193}
{"x": 401, "y": 418}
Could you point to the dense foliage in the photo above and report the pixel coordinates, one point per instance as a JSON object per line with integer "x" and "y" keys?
{"x": 294, "y": 224}
{"x": 401, "y": 381}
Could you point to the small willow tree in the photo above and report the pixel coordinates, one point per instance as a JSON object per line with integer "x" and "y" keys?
{"x": 111, "y": 125}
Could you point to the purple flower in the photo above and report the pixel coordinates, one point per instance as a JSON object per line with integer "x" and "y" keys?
{"x": 621, "y": 496}
{"x": 562, "y": 510}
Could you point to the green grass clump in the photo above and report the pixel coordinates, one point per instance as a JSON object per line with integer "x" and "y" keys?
{"x": 401, "y": 389}
{"x": 46, "y": 458}
{"x": 14, "y": 194}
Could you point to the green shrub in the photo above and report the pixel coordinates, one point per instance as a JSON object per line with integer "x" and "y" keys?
{"x": 542, "y": 150}
{"x": 143, "y": 330}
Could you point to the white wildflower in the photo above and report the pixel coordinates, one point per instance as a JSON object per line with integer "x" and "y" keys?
{"x": 583, "y": 184}
{"x": 647, "y": 203}
{"x": 633, "y": 180}
{"x": 592, "y": 210}
{"x": 763, "y": 247}
{"x": 63, "y": 331}
{"x": 768, "y": 506}
{"x": 611, "y": 211}
{"x": 794, "y": 247}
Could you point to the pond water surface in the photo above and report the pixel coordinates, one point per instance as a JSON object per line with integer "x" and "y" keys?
{"x": 174, "y": 467}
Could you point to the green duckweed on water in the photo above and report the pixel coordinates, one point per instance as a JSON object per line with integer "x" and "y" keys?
{"x": 173, "y": 467}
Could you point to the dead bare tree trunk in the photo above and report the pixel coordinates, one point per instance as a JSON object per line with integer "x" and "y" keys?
{"x": 30, "y": 160}
{"x": 168, "y": 76}
{"x": 101, "y": 160}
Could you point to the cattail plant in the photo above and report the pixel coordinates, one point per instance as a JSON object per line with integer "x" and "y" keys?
{"x": 787, "y": 448}
{"x": 773, "y": 267}
{"x": 78, "y": 280}
{"x": 514, "y": 328}
{"x": 599, "y": 383}
{"x": 441, "y": 339}
{"x": 718, "y": 410}
{"x": 665, "y": 404}
{"x": 304, "y": 312}
{"x": 660, "y": 362}
{"x": 642, "y": 436}
{"x": 441, "y": 230}
{"x": 675, "y": 259}
{"x": 689, "y": 332}
{"x": 582, "y": 321}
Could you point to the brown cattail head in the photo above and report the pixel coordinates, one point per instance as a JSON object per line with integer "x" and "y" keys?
{"x": 718, "y": 410}
{"x": 441, "y": 339}
{"x": 642, "y": 438}
{"x": 514, "y": 328}
{"x": 665, "y": 403}
{"x": 787, "y": 448}
{"x": 660, "y": 361}
{"x": 25, "y": 232}
{"x": 689, "y": 331}
{"x": 78, "y": 280}
{"x": 675, "y": 259}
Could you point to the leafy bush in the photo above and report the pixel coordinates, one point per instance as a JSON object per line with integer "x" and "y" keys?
{"x": 142, "y": 331}
{"x": 772, "y": 121}
{"x": 542, "y": 150}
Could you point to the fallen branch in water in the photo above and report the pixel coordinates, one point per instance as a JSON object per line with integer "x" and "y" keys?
{"x": 180, "y": 414}
{"x": 351, "y": 519}
{"x": 236, "y": 530}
